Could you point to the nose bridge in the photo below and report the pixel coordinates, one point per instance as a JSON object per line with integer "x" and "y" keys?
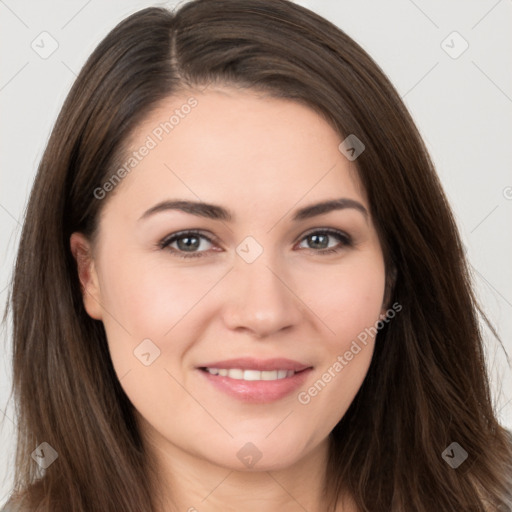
{"x": 259, "y": 299}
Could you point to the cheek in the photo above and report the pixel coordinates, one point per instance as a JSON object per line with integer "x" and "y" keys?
{"x": 349, "y": 297}
{"x": 349, "y": 301}
{"x": 157, "y": 302}
{"x": 149, "y": 300}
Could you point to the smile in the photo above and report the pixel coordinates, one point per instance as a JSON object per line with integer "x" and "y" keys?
{"x": 253, "y": 380}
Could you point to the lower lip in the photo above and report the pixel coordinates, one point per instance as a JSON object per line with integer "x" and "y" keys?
{"x": 257, "y": 391}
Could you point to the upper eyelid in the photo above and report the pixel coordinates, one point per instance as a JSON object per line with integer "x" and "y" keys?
{"x": 330, "y": 231}
{"x": 179, "y": 234}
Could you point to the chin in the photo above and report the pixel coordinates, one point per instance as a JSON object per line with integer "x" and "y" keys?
{"x": 261, "y": 454}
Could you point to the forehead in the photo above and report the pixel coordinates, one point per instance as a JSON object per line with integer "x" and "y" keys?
{"x": 235, "y": 147}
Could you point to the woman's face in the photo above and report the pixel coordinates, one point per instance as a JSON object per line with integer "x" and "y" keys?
{"x": 273, "y": 294}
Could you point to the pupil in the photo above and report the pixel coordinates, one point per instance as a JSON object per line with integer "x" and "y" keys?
{"x": 188, "y": 245}
{"x": 316, "y": 238}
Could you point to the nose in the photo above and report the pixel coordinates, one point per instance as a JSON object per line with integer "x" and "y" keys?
{"x": 259, "y": 299}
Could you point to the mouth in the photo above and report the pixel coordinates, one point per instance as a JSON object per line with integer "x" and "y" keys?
{"x": 256, "y": 381}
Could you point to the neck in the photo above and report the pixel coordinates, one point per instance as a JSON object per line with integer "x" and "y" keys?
{"x": 188, "y": 483}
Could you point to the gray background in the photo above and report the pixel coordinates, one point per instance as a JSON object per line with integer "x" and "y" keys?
{"x": 462, "y": 105}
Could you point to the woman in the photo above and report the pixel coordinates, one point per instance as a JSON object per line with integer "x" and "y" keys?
{"x": 240, "y": 287}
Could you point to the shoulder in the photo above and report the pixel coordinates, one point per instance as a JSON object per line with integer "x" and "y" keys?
{"x": 26, "y": 500}
{"x": 14, "y": 506}
{"x": 10, "y": 507}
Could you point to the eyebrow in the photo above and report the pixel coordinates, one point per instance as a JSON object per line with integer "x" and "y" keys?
{"x": 215, "y": 212}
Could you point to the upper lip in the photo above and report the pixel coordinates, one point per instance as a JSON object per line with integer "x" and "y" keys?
{"x": 250, "y": 363}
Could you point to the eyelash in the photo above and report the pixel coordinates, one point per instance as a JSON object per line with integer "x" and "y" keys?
{"x": 345, "y": 240}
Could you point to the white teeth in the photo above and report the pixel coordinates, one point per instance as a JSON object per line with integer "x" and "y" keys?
{"x": 239, "y": 374}
{"x": 251, "y": 375}
{"x": 236, "y": 373}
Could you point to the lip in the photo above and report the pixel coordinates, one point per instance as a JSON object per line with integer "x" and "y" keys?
{"x": 261, "y": 391}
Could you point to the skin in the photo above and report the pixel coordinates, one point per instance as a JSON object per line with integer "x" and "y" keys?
{"x": 262, "y": 158}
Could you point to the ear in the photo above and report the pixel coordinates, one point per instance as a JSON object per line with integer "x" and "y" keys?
{"x": 91, "y": 292}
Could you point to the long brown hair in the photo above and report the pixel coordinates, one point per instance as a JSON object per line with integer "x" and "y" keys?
{"x": 427, "y": 384}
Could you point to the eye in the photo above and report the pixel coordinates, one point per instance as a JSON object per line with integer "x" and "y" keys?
{"x": 187, "y": 244}
{"x": 320, "y": 240}
{"x": 191, "y": 243}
